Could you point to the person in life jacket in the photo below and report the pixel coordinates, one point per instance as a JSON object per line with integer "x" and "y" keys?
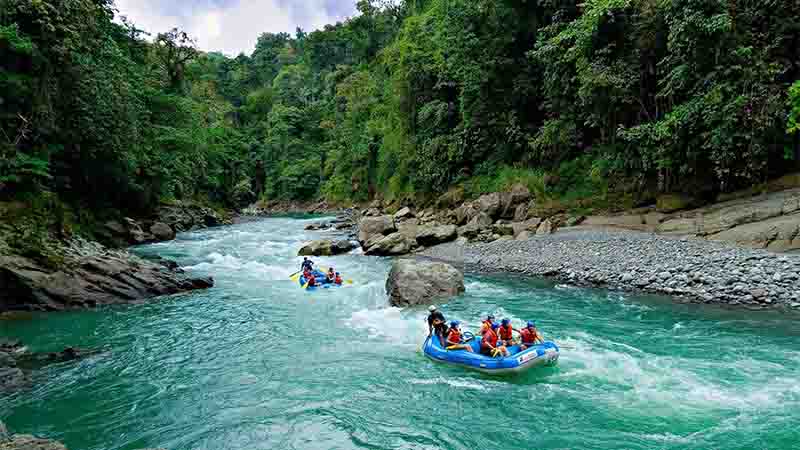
{"x": 436, "y": 324}
{"x": 530, "y": 336}
{"x": 506, "y": 333}
{"x": 490, "y": 345}
{"x": 487, "y": 324}
{"x": 307, "y": 265}
{"x": 311, "y": 280}
{"x": 338, "y": 279}
{"x": 331, "y": 276}
{"x": 454, "y": 338}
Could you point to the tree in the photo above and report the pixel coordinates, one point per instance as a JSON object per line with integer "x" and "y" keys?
{"x": 175, "y": 49}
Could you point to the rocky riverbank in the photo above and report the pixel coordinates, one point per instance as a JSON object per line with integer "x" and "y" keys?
{"x": 83, "y": 274}
{"x": 10, "y": 441}
{"x": 688, "y": 269}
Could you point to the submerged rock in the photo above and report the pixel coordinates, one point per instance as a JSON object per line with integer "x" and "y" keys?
{"x": 415, "y": 282}
{"x": 28, "y": 442}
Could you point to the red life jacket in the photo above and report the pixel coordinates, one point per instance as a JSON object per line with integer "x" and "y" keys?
{"x": 490, "y": 337}
{"x": 454, "y": 337}
{"x": 529, "y": 336}
{"x": 312, "y": 281}
{"x": 486, "y": 326}
{"x": 505, "y": 332}
{"x": 338, "y": 279}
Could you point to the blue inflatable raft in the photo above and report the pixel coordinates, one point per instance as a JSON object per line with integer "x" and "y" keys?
{"x": 518, "y": 361}
{"x": 322, "y": 281}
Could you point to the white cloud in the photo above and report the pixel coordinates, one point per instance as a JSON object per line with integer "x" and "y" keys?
{"x": 230, "y": 29}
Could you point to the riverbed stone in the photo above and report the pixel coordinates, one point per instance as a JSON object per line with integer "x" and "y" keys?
{"x": 433, "y": 235}
{"x": 403, "y": 214}
{"x": 545, "y": 228}
{"x": 162, "y": 231}
{"x": 375, "y": 226}
{"x": 392, "y": 245}
{"x": 317, "y": 248}
{"x": 419, "y": 282}
{"x": 28, "y": 442}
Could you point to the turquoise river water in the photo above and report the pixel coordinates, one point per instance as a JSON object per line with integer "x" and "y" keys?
{"x": 257, "y": 363}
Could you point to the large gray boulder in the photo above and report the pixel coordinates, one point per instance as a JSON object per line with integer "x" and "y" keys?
{"x": 434, "y": 235}
{"x": 403, "y": 214}
{"x": 316, "y": 248}
{"x": 465, "y": 213}
{"x": 325, "y": 248}
{"x": 779, "y": 234}
{"x": 375, "y": 226}
{"x": 530, "y": 225}
{"x": 162, "y": 231}
{"x": 491, "y": 204}
{"x": 415, "y": 282}
{"x": 393, "y": 245}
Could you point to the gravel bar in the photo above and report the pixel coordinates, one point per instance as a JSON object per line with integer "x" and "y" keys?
{"x": 692, "y": 270}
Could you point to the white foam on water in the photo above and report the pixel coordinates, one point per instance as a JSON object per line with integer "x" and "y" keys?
{"x": 217, "y": 261}
{"x": 452, "y": 382}
{"x": 630, "y": 377}
{"x": 390, "y": 324}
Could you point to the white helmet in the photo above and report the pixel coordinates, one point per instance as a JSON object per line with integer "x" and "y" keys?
{"x": 432, "y": 308}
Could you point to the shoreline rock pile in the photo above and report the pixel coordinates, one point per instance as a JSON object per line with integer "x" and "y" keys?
{"x": 691, "y": 269}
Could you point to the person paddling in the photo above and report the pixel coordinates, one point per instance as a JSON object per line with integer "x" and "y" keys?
{"x": 307, "y": 265}
{"x": 530, "y": 336}
{"x": 454, "y": 340}
{"x": 436, "y": 324}
{"x": 338, "y": 279}
{"x": 506, "y": 330}
{"x": 331, "y": 277}
{"x": 489, "y": 344}
{"x": 311, "y": 280}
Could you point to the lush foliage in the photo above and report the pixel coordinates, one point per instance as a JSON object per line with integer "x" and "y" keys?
{"x": 402, "y": 101}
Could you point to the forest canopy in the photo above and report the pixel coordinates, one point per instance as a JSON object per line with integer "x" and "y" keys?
{"x": 406, "y": 99}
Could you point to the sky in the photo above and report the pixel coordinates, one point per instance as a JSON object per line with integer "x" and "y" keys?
{"x": 233, "y": 26}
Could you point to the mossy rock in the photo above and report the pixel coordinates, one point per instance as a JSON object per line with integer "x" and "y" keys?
{"x": 667, "y": 203}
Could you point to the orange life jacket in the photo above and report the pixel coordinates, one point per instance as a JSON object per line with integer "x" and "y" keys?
{"x": 505, "y": 332}
{"x": 454, "y": 337}
{"x": 490, "y": 337}
{"x": 529, "y": 336}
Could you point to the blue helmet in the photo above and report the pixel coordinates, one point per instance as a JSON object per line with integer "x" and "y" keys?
{"x": 506, "y": 321}
{"x": 454, "y": 324}
{"x": 337, "y": 273}
{"x": 531, "y": 324}
{"x": 495, "y": 326}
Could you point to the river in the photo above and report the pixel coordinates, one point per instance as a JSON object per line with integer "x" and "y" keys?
{"x": 257, "y": 363}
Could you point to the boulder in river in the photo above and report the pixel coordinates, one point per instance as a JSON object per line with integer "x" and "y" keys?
{"x": 162, "y": 231}
{"x": 417, "y": 282}
{"x": 28, "y": 442}
{"x": 326, "y": 248}
{"x": 88, "y": 275}
{"x": 373, "y": 226}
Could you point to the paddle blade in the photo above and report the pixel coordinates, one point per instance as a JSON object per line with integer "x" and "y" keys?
{"x": 348, "y": 281}
{"x": 295, "y": 277}
{"x": 305, "y": 286}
